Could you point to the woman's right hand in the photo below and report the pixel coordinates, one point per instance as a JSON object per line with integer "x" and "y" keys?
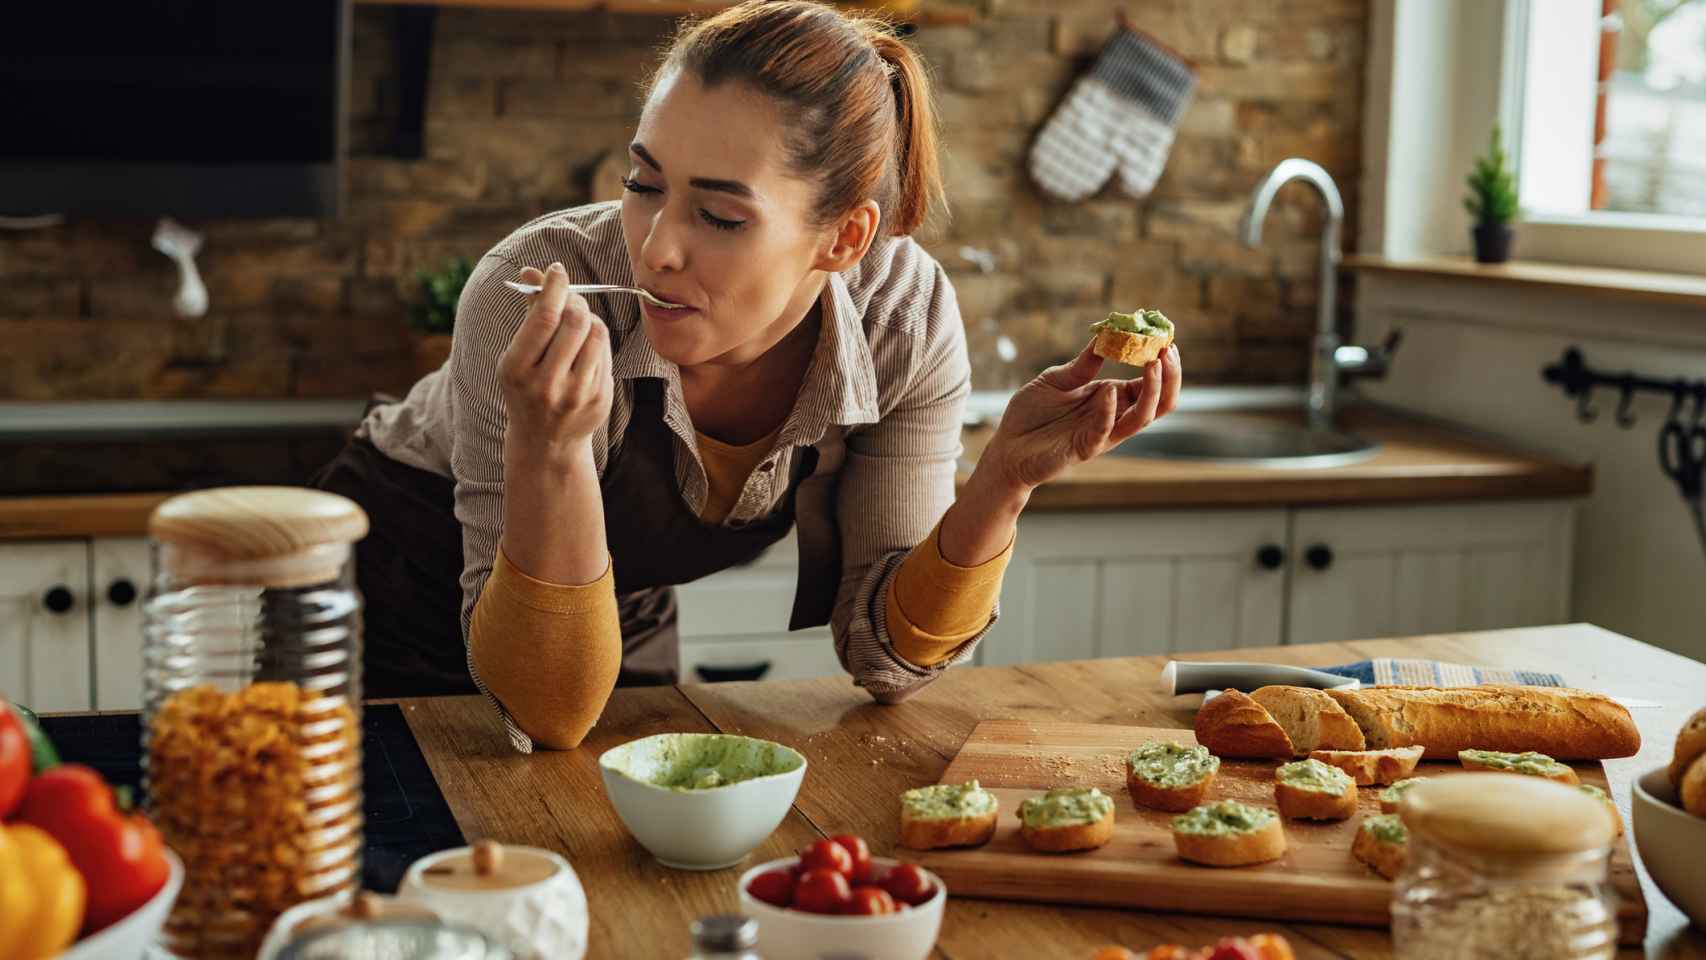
{"x": 555, "y": 374}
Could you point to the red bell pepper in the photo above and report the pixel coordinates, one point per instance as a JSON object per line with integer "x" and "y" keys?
{"x": 14, "y": 760}
{"x": 119, "y": 854}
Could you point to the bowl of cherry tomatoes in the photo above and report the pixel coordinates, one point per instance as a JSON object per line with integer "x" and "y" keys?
{"x": 835, "y": 893}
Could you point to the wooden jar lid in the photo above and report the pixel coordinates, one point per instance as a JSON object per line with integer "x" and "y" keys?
{"x": 1506, "y": 815}
{"x": 268, "y": 536}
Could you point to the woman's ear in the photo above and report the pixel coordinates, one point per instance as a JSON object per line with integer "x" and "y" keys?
{"x": 855, "y": 234}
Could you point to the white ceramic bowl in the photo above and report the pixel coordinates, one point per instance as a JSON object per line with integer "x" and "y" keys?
{"x": 796, "y": 935}
{"x": 707, "y": 829}
{"x": 131, "y": 937}
{"x": 1672, "y": 842}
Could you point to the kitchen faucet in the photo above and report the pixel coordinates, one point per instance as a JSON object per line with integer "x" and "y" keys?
{"x": 1330, "y": 359}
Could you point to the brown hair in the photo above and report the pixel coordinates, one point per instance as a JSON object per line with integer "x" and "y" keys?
{"x": 862, "y": 120}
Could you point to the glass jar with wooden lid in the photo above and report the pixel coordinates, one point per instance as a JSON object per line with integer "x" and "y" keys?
{"x": 252, "y": 707}
{"x": 1505, "y": 866}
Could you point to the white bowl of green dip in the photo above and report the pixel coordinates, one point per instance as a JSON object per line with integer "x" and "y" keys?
{"x": 701, "y": 801}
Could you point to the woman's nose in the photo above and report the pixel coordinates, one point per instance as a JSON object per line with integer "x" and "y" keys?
{"x": 663, "y": 251}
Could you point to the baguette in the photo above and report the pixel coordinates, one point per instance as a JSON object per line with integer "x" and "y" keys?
{"x": 1313, "y": 720}
{"x": 1312, "y": 790}
{"x": 1067, "y": 819}
{"x": 1228, "y": 834}
{"x": 1382, "y": 843}
{"x": 1137, "y": 338}
{"x": 1693, "y": 787}
{"x": 1233, "y": 725}
{"x": 1557, "y": 721}
{"x": 1690, "y": 743}
{"x": 1369, "y": 767}
{"x": 947, "y": 815}
{"x": 1167, "y": 776}
{"x": 1529, "y": 764}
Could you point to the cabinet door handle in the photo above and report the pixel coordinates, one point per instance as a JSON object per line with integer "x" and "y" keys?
{"x": 749, "y": 671}
{"x": 58, "y": 599}
{"x": 121, "y": 592}
{"x": 1270, "y": 556}
{"x": 1319, "y": 556}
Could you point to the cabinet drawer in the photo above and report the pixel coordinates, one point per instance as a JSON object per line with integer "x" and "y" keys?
{"x": 805, "y": 655}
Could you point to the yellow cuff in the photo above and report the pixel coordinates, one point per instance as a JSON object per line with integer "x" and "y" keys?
{"x": 935, "y": 606}
{"x": 508, "y": 580}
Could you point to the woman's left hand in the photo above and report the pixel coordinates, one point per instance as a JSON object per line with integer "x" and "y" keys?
{"x": 1065, "y": 416}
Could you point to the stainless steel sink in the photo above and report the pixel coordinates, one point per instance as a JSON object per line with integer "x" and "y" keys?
{"x": 1252, "y": 441}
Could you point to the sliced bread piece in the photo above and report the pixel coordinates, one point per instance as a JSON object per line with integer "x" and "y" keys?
{"x": 1066, "y": 819}
{"x": 1229, "y": 834}
{"x": 1368, "y": 767}
{"x": 1312, "y": 790}
{"x": 947, "y": 815}
{"x": 1604, "y": 798}
{"x": 1391, "y": 795}
{"x": 1170, "y": 776}
{"x": 1382, "y": 842}
{"x": 1233, "y": 725}
{"x": 1313, "y": 720}
{"x": 1529, "y": 763}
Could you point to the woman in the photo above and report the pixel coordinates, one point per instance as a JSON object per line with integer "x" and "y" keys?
{"x": 573, "y": 460}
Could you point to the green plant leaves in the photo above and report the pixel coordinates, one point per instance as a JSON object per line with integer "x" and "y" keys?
{"x": 435, "y": 310}
{"x": 1492, "y": 185}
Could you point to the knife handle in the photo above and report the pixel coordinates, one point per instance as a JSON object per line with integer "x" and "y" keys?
{"x": 1196, "y": 676}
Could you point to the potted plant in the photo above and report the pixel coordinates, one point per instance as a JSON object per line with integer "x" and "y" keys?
{"x": 434, "y": 314}
{"x": 1492, "y": 202}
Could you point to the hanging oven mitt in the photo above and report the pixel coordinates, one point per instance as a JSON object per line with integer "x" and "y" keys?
{"x": 1121, "y": 114}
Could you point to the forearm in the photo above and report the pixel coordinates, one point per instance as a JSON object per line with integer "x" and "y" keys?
{"x": 981, "y": 523}
{"x": 554, "y": 515}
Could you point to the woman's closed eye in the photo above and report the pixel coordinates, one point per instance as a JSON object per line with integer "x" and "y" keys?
{"x": 721, "y": 223}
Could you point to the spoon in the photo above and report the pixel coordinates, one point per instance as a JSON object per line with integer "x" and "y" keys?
{"x": 531, "y": 288}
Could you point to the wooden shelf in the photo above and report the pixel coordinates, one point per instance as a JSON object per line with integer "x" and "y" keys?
{"x": 941, "y": 15}
{"x": 1639, "y": 285}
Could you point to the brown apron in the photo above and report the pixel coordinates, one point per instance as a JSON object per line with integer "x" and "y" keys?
{"x": 409, "y": 565}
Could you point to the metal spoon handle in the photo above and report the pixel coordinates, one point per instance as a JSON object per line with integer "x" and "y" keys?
{"x": 532, "y": 288}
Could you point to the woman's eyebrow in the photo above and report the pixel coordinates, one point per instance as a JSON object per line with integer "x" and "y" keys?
{"x": 734, "y": 187}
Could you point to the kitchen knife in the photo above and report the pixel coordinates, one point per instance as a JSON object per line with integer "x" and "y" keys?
{"x": 1211, "y": 677}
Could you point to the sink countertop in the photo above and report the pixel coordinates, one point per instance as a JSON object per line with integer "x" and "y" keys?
{"x": 1416, "y": 463}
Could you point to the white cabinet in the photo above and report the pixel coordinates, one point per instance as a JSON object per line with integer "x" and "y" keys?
{"x": 1397, "y": 571}
{"x": 1084, "y": 585}
{"x": 118, "y": 579}
{"x": 44, "y": 625}
{"x": 734, "y": 624}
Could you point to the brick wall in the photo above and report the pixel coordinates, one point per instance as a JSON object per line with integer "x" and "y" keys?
{"x": 522, "y": 107}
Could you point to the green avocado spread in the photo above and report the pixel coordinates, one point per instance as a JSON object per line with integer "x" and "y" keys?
{"x": 949, "y": 801}
{"x": 1533, "y": 764}
{"x": 1387, "y": 828}
{"x": 1149, "y": 323}
{"x": 1316, "y": 776}
{"x": 1593, "y": 791}
{"x": 1396, "y": 792}
{"x": 1172, "y": 765}
{"x": 703, "y": 761}
{"x": 1066, "y": 807}
{"x": 1222, "y": 819}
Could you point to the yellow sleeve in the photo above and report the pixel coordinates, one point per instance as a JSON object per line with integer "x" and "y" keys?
{"x": 935, "y": 606}
{"x": 549, "y": 652}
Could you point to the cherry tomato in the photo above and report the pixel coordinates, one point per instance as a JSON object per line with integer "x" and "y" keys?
{"x": 1234, "y": 948}
{"x": 775, "y": 887}
{"x": 859, "y": 851}
{"x": 908, "y": 884}
{"x": 1170, "y": 951}
{"x": 870, "y": 901}
{"x": 1113, "y": 953}
{"x": 822, "y": 891}
{"x": 827, "y": 855}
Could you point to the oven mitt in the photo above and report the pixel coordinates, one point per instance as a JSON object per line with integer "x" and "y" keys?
{"x": 1121, "y": 114}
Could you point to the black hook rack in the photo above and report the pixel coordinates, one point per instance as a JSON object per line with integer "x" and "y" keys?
{"x": 1578, "y": 380}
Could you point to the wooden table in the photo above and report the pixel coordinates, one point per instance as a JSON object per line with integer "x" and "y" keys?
{"x": 863, "y": 755}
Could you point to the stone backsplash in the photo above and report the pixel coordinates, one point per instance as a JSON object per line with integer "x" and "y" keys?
{"x": 523, "y": 106}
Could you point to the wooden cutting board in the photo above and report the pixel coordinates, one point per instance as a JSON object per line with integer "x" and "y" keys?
{"x": 1317, "y": 879}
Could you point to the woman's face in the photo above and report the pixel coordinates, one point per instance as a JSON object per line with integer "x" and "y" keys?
{"x": 715, "y": 221}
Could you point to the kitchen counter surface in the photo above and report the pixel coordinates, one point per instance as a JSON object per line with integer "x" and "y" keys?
{"x": 863, "y": 755}
{"x": 1415, "y": 463}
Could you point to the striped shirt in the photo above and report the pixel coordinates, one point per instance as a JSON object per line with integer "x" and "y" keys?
{"x": 881, "y": 402}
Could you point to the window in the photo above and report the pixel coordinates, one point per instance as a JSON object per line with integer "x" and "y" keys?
{"x": 1610, "y": 99}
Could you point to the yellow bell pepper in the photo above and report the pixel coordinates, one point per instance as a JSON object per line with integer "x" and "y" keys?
{"x": 41, "y": 894}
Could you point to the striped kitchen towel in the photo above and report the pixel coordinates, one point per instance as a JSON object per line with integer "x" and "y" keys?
{"x": 1433, "y": 673}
